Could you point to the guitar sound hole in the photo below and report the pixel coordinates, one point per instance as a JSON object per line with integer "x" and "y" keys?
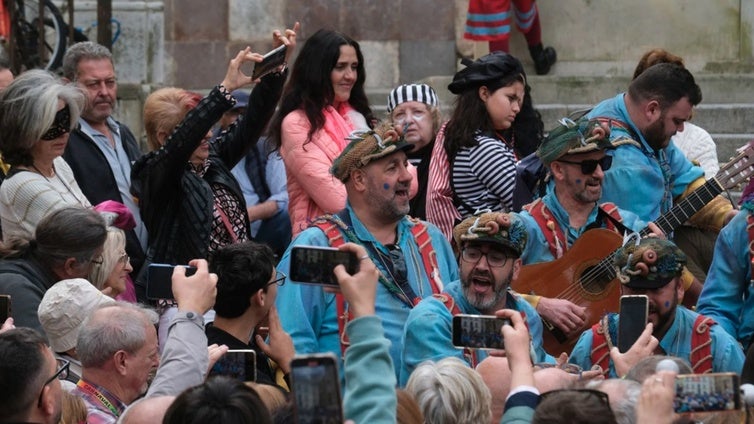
{"x": 595, "y": 279}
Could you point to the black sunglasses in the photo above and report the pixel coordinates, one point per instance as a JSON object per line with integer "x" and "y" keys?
{"x": 588, "y": 166}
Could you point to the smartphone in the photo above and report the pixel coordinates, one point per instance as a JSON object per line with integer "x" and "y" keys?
{"x": 271, "y": 60}
{"x": 160, "y": 280}
{"x": 315, "y": 264}
{"x": 478, "y": 331}
{"x": 707, "y": 392}
{"x": 315, "y": 385}
{"x": 240, "y": 364}
{"x": 632, "y": 320}
{"x": 5, "y": 311}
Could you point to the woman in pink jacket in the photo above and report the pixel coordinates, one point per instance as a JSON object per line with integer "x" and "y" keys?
{"x": 322, "y": 103}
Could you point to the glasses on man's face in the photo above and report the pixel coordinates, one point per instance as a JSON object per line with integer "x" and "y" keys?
{"x": 580, "y": 395}
{"x": 60, "y": 374}
{"x": 279, "y": 279}
{"x": 473, "y": 255}
{"x": 588, "y": 166}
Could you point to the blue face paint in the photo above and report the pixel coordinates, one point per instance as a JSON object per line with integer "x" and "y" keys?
{"x": 667, "y": 303}
{"x": 386, "y": 186}
{"x": 578, "y": 181}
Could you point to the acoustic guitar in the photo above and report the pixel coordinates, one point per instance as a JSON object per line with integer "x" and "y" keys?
{"x": 585, "y": 275}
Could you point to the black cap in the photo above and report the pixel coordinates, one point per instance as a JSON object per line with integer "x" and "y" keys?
{"x": 488, "y": 68}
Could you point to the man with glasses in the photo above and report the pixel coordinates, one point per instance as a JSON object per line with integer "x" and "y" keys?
{"x": 491, "y": 245}
{"x": 247, "y": 284}
{"x": 101, "y": 150}
{"x": 575, "y": 154}
{"x": 30, "y": 390}
{"x": 413, "y": 257}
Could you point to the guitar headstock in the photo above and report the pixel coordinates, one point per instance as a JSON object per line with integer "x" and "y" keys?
{"x": 738, "y": 169}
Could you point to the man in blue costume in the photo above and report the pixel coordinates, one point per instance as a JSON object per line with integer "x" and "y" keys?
{"x": 413, "y": 257}
{"x": 490, "y": 244}
{"x": 653, "y": 267}
{"x": 654, "y": 108}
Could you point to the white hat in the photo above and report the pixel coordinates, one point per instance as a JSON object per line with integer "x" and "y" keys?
{"x": 64, "y": 307}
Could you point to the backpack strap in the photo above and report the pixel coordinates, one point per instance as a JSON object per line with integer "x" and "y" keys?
{"x": 601, "y": 345}
{"x": 701, "y": 345}
{"x": 550, "y": 229}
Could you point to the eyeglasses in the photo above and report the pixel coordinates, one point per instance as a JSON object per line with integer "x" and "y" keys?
{"x": 473, "y": 255}
{"x": 581, "y": 394}
{"x": 60, "y": 374}
{"x": 588, "y": 166}
{"x": 60, "y": 125}
{"x": 279, "y": 279}
{"x": 124, "y": 258}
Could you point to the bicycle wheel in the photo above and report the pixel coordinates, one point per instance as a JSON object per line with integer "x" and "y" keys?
{"x": 27, "y": 40}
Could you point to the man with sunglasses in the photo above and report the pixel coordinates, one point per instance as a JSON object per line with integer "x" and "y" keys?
{"x": 576, "y": 156}
{"x": 30, "y": 390}
{"x": 491, "y": 244}
{"x": 247, "y": 284}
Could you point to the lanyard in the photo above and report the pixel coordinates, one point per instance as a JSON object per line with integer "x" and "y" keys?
{"x": 91, "y": 390}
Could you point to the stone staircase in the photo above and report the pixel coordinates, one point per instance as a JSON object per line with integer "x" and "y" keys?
{"x": 726, "y": 112}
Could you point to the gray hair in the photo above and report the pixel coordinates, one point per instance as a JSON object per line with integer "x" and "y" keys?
{"x": 624, "y": 404}
{"x": 448, "y": 391}
{"x": 111, "y": 252}
{"x": 112, "y": 328}
{"x": 27, "y": 110}
{"x": 85, "y": 50}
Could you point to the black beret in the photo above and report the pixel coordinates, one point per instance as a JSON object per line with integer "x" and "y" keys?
{"x": 491, "y": 67}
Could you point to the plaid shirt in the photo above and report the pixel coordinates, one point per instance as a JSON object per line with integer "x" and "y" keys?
{"x": 98, "y": 411}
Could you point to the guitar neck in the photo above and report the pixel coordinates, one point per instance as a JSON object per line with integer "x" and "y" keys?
{"x": 686, "y": 208}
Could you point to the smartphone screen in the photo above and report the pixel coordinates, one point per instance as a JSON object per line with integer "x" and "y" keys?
{"x": 160, "y": 280}
{"x": 315, "y": 265}
{"x": 707, "y": 392}
{"x": 240, "y": 364}
{"x": 270, "y": 61}
{"x": 5, "y": 311}
{"x": 478, "y": 331}
{"x": 632, "y": 320}
{"x": 316, "y": 389}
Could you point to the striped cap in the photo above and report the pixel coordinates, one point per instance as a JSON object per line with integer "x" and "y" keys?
{"x": 411, "y": 93}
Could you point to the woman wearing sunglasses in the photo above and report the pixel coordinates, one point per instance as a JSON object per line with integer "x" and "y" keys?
{"x": 37, "y": 113}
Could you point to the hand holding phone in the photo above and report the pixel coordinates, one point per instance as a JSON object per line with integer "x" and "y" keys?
{"x": 240, "y": 364}
{"x": 359, "y": 289}
{"x": 478, "y": 331}
{"x": 315, "y": 264}
{"x": 160, "y": 281}
{"x": 632, "y": 320}
{"x": 270, "y": 61}
{"x": 315, "y": 385}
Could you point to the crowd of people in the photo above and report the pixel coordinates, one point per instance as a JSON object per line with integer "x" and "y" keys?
{"x": 429, "y": 209}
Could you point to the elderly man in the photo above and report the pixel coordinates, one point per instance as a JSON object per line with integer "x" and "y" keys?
{"x": 29, "y": 388}
{"x": 413, "y": 257}
{"x": 490, "y": 244}
{"x": 653, "y": 267}
{"x": 414, "y": 113}
{"x": 118, "y": 349}
{"x": 100, "y": 150}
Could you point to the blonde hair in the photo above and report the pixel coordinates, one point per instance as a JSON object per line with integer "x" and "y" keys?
{"x": 73, "y": 409}
{"x": 164, "y": 110}
{"x": 272, "y": 397}
{"x": 448, "y": 391}
{"x": 115, "y": 244}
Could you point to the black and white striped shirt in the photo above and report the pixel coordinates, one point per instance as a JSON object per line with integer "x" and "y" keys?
{"x": 484, "y": 176}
